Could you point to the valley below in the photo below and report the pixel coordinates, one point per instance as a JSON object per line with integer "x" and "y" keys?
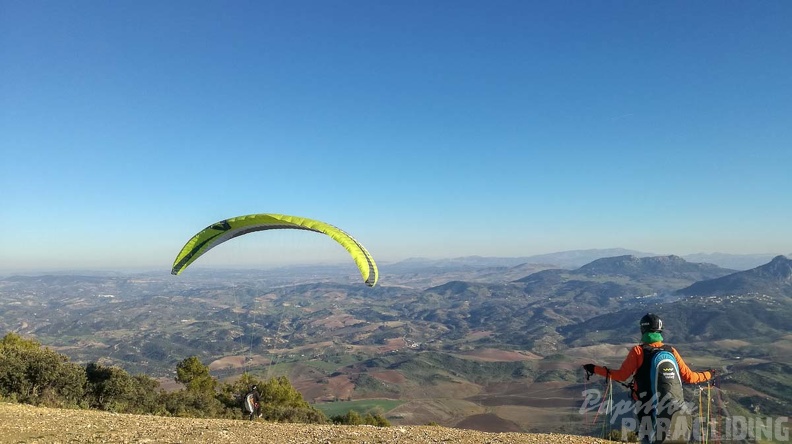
{"x": 485, "y": 348}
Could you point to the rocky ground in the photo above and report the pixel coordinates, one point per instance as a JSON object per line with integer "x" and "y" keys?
{"x": 26, "y": 424}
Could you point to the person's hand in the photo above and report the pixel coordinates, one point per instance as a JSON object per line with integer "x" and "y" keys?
{"x": 589, "y": 368}
{"x": 714, "y": 373}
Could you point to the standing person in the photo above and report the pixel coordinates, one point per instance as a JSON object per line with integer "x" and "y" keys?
{"x": 658, "y": 372}
{"x": 252, "y": 403}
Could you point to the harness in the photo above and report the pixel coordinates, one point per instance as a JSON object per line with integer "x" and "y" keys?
{"x": 642, "y": 380}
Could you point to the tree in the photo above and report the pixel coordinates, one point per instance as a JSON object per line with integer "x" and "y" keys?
{"x": 36, "y": 375}
{"x": 376, "y": 419}
{"x": 199, "y": 399}
{"x": 110, "y": 388}
{"x": 352, "y": 417}
{"x": 13, "y": 340}
{"x": 281, "y": 402}
{"x": 147, "y": 396}
{"x": 279, "y": 391}
{"x": 194, "y": 404}
{"x": 195, "y": 376}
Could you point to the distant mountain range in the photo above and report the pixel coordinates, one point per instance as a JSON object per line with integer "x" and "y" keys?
{"x": 608, "y": 283}
{"x": 735, "y": 261}
{"x": 657, "y": 266}
{"x": 571, "y": 259}
{"x": 563, "y": 259}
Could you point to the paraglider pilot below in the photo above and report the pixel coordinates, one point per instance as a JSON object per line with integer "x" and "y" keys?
{"x": 252, "y": 403}
{"x": 637, "y": 365}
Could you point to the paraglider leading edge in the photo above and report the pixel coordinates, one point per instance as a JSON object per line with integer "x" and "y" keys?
{"x": 227, "y": 229}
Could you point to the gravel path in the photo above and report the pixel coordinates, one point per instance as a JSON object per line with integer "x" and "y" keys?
{"x": 26, "y": 424}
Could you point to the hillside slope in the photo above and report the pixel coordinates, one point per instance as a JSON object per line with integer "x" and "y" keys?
{"x": 26, "y": 424}
{"x": 773, "y": 278}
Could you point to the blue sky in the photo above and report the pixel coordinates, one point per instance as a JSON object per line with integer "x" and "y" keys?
{"x": 424, "y": 129}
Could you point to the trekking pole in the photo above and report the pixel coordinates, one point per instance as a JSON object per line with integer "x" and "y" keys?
{"x": 605, "y": 397}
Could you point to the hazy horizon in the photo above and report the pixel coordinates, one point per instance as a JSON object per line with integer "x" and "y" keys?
{"x": 343, "y": 262}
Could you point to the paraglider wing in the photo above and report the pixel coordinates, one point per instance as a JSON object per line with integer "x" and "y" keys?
{"x": 219, "y": 232}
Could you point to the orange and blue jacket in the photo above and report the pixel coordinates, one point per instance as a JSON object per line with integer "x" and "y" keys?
{"x": 634, "y": 360}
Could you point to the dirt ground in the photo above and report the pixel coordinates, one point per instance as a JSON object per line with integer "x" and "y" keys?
{"x": 27, "y": 424}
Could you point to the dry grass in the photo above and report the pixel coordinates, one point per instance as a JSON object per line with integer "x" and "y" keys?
{"x": 27, "y": 424}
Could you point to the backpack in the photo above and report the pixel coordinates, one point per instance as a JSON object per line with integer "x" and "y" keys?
{"x": 662, "y": 413}
{"x": 250, "y": 403}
